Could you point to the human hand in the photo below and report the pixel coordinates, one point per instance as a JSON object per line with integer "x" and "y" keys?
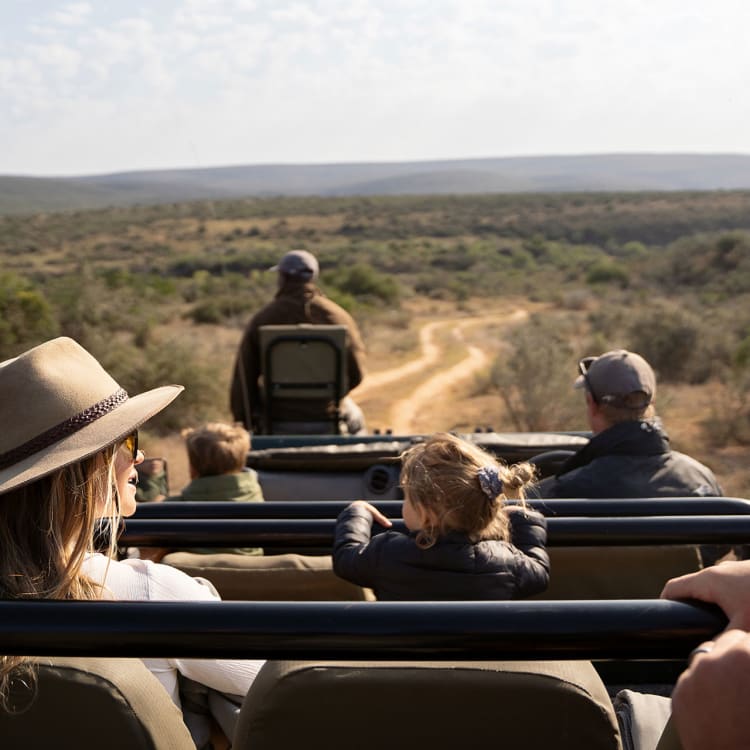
{"x": 709, "y": 702}
{"x": 374, "y": 512}
{"x": 726, "y": 584}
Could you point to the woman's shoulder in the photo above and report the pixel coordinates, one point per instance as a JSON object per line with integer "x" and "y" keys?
{"x": 144, "y": 580}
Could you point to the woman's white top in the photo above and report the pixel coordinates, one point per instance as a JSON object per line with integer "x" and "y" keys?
{"x": 143, "y": 580}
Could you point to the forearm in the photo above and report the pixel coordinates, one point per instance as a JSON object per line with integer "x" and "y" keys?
{"x": 351, "y": 542}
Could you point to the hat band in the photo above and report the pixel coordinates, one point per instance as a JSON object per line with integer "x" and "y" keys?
{"x": 63, "y": 430}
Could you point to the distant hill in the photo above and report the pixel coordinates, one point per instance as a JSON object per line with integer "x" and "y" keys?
{"x": 606, "y": 172}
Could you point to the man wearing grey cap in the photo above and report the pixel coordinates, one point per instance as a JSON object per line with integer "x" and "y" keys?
{"x": 628, "y": 454}
{"x": 298, "y": 300}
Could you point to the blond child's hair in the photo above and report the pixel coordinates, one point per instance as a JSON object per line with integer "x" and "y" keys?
{"x": 217, "y": 448}
{"x": 461, "y": 487}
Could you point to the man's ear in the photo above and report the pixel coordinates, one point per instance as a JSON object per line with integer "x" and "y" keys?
{"x": 590, "y": 403}
{"x": 596, "y": 417}
{"x": 592, "y": 408}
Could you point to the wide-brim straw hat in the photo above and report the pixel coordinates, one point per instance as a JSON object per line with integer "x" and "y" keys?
{"x": 58, "y": 405}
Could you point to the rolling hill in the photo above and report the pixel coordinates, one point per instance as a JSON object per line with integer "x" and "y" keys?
{"x": 606, "y": 172}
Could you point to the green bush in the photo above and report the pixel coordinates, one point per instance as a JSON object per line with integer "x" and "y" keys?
{"x": 607, "y": 272}
{"x": 679, "y": 345}
{"x": 162, "y": 362}
{"x": 26, "y": 317}
{"x": 364, "y": 283}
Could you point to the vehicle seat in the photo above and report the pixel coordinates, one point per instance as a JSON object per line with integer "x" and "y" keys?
{"x": 304, "y": 378}
{"x": 617, "y": 572}
{"x": 87, "y": 703}
{"x": 376, "y": 705}
{"x": 289, "y": 577}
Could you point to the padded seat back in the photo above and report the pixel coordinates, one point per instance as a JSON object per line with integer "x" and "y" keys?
{"x": 288, "y": 577}
{"x": 616, "y": 572}
{"x": 376, "y": 705}
{"x": 84, "y": 703}
{"x": 304, "y": 377}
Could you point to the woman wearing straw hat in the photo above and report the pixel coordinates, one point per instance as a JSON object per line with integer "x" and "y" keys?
{"x": 68, "y": 451}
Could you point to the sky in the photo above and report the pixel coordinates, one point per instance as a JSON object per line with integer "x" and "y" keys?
{"x": 94, "y": 87}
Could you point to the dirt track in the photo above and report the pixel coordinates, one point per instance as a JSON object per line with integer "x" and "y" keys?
{"x": 405, "y": 411}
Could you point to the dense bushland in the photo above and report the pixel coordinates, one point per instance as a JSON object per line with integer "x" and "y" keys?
{"x": 147, "y": 289}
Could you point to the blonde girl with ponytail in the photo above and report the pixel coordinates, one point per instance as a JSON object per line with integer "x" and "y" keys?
{"x": 464, "y": 540}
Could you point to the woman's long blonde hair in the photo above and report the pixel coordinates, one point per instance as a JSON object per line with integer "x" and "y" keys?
{"x": 46, "y": 531}
{"x": 443, "y": 476}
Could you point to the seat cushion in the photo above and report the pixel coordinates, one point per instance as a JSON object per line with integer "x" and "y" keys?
{"x": 288, "y": 577}
{"x": 90, "y": 703}
{"x": 616, "y": 572}
{"x": 376, "y": 705}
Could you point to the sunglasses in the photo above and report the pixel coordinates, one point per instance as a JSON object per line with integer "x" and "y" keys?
{"x": 130, "y": 443}
{"x": 583, "y": 369}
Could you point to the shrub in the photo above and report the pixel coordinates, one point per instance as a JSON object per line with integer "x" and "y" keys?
{"x": 607, "y": 272}
{"x": 160, "y": 362}
{"x": 364, "y": 283}
{"x": 535, "y": 378}
{"x": 678, "y": 345}
{"x": 26, "y": 317}
{"x": 729, "y": 419}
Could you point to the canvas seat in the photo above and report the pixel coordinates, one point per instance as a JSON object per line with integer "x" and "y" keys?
{"x": 376, "y": 705}
{"x": 86, "y": 703}
{"x": 303, "y": 369}
{"x": 617, "y": 572}
{"x": 289, "y": 577}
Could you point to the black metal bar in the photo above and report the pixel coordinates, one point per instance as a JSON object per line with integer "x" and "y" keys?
{"x": 562, "y": 532}
{"x": 392, "y": 508}
{"x": 635, "y": 629}
{"x": 654, "y": 506}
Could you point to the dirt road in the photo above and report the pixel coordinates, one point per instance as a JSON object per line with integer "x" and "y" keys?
{"x": 404, "y": 413}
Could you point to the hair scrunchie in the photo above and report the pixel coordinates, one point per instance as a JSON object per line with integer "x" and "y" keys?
{"x": 490, "y": 482}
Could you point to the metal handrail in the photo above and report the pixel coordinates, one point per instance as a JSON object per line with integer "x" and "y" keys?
{"x": 665, "y": 506}
{"x": 634, "y": 629}
{"x": 562, "y": 532}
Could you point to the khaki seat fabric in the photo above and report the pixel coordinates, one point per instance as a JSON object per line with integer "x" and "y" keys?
{"x": 616, "y": 572}
{"x": 87, "y": 703}
{"x": 377, "y": 705}
{"x": 288, "y": 577}
{"x": 303, "y": 363}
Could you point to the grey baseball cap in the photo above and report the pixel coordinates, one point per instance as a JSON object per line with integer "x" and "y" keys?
{"x": 298, "y": 263}
{"x": 614, "y": 376}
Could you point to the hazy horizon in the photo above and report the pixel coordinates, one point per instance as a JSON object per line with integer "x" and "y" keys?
{"x": 384, "y": 162}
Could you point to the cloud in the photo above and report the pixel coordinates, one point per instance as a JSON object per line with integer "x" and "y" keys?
{"x": 59, "y": 60}
{"x": 72, "y": 14}
{"x": 311, "y": 80}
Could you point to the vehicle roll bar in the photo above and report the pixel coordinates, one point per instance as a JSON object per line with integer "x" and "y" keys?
{"x": 682, "y": 506}
{"x": 316, "y": 532}
{"x": 634, "y": 629}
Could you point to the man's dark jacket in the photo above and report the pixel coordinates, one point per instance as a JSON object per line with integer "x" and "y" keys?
{"x": 455, "y": 568}
{"x": 630, "y": 459}
{"x": 295, "y": 302}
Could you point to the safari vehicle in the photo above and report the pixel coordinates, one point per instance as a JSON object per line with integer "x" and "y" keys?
{"x": 339, "y": 662}
{"x": 325, "y": 467}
